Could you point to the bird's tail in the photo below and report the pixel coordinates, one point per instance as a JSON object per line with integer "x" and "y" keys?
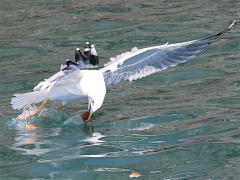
{"x": 19, "y": 101}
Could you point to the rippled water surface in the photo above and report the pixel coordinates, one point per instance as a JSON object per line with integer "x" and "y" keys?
{"x": 182, "y": 123}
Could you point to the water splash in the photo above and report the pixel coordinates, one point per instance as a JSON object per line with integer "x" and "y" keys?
{"x": 28, "y": 111}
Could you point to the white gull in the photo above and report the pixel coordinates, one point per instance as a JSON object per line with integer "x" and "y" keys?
{"x": 74, "y": 83}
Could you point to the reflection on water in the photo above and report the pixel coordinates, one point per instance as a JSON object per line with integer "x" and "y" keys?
{"x": 182, "y": 123}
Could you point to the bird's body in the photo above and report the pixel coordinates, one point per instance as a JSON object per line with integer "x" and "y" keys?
{"x": 64, "y": 87}
{"x": 74, "y": 83}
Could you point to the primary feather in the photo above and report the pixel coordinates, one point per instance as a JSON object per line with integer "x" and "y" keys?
{"x": 140, "y": 63}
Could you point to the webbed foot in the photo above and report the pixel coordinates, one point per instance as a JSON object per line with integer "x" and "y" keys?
{"x": 30, "y": 113}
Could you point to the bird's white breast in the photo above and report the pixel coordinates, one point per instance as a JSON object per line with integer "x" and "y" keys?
{"x": 79, "y": 84}
{"x": 94, "y": 85}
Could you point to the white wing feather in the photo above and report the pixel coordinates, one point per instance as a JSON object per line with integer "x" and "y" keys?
{"x": 49, "y": 82}
{"x": 139, "y": 63}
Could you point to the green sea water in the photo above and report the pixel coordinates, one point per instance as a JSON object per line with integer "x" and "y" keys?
{"x": 181, "y": 123}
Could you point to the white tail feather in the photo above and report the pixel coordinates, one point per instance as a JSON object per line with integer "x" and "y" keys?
{"x": 19, "y": 101}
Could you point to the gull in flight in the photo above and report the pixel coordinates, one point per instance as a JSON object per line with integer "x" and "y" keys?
{"x": 74, "y": 83}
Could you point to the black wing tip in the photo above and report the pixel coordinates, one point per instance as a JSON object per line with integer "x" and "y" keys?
{"x": 210, "y": 39}
{"x": 227, "y": 29}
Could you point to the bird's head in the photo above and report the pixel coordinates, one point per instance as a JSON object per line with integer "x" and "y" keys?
{"x": 86, "y": 116}
{"x": 93, "y": 105}
{"x": 96, "y": 90}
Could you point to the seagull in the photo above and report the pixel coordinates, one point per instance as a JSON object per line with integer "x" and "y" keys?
{"x": 71, "y": 84}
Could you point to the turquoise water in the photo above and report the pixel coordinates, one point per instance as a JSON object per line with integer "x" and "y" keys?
{"x": 182, "y": 123}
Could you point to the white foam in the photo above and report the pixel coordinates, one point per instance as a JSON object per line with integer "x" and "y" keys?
{"x": 95, "y": 139}
{"x": 143, "y": 126}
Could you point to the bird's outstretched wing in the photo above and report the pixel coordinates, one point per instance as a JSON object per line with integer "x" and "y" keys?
{"x": 47, "y": 83}
{"x": 70, "y": 82}
{"x": 140, "y": 63}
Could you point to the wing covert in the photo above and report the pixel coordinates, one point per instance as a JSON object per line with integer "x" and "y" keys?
{"x": 140, "y": 63}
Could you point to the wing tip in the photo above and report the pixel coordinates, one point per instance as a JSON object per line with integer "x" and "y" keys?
{"x": 233, "y": 23}
{"x": 227, "y": 29}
